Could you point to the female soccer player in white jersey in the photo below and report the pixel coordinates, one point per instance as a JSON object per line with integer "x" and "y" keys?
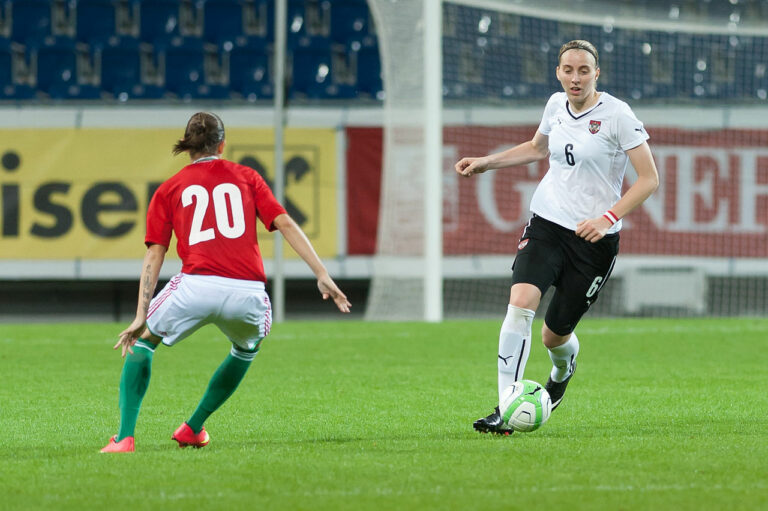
{"x": 572, "y": 238}
{"x": 211, "y": 205}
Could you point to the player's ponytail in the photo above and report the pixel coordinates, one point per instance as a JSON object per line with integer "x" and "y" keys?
{"x": 204, "y": 133}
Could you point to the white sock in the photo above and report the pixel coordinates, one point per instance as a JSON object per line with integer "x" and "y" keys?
{"x": 563, "y": 357}
{"x": 514, "y": 345}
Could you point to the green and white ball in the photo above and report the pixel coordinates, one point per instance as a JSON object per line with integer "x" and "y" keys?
{"x": 525, "y": 406}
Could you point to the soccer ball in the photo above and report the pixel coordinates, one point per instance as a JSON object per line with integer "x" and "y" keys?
{"x": 525, "y": 406}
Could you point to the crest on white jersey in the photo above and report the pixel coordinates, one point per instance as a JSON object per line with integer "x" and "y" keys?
{"x": 594, "y": 126}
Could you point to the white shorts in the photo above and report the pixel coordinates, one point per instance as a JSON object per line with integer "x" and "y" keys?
{"x": 240, "y": 308}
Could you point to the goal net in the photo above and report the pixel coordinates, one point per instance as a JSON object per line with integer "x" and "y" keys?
{"x": 696, "y": 74}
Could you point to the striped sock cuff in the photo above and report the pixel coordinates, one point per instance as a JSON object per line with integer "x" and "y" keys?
{"x": 243, "y": 355}
{"x": 143, "y": 343}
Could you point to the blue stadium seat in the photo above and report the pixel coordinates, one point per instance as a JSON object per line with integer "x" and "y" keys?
{"x": 499, "y": 79}
{"x": 311, "y": 69}
{"x": 31, "y": 20}
{"x": 249, "y": 69}
{"x": 56, "y": 65}
{"x": 95, "y": 20}
{"x": 6, "y": 63}
{"x": 297, "y": 25}
{"x": 185, "y": 71}
{"x": 222, "y": 20}
{"x": 349, "y": 20}
{"x": 158, "y": 20}
{"x": 9, "y": 90}
{"x": 369, "y": 81}
{"x": 183, "y": 66}
{"x": 121, "y": 66}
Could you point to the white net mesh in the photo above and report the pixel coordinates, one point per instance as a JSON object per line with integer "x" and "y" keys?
{"x": 694, "y": 73}
{"x": 397, "y": 288}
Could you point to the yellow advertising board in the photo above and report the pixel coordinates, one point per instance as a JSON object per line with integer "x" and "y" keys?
{"x": 83, "y": 193}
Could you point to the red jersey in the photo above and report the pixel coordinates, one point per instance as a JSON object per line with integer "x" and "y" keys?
{"x": 212, "y": 208}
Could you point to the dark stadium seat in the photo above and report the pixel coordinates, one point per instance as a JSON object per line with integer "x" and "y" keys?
{"x": 95, "y": 20}
{"x": 249, "y": 69}
{"x": 57, "y": 70}
{"x": 31, "y": 20}
{"x": 187, "y": 75}
{"x": 349, "y": 20}
{"x": 6, "y": 63}
{"x": 297, "y": 26}
{"x": 120, "y": 66}
{"x": 158, "y": 19}
{"x": 9, "y": 89}
{"x": 369, "y": 81}
{"x": 222, "y": 20}
{"x": 311, "y": 69}
{"x": 56, "y": 65}
{"x": 183, "y": 66}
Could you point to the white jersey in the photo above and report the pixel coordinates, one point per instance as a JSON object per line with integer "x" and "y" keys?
{"x": 587, "y": 159}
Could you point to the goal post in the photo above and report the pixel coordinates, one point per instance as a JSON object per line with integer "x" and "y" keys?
{"x": 407, "y": 280}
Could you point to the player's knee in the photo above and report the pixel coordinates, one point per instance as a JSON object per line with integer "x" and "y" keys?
{"x": 552, "y": 340}
{"x": 524, "y": 296}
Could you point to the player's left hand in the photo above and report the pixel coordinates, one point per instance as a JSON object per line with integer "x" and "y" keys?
{"x": 593, "y": 229}
{"x": 130, "y": 335}
{"x": 329, "y": 289}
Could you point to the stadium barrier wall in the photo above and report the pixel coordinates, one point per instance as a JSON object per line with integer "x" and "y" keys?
{"x": 92, "y": 169}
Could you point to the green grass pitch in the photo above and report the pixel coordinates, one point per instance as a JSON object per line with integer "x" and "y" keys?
{"x": 662, "y": 414}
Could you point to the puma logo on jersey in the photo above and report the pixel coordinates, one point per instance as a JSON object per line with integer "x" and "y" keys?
{"x": 594, "y": 126}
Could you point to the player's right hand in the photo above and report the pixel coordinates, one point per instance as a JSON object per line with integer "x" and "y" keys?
{"x": 470, "y": 166}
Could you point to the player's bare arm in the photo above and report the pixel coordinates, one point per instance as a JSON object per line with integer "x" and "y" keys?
{"x": 523, "y": 154}
{"x": 301, "y": 244}
{"x": 594, "y": 229}
{"x": 150, "y": 271}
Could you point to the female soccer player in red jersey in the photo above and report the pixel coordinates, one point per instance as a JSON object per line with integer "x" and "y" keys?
{"x": 211, "y": 206}
{"x": 572, "y": 239}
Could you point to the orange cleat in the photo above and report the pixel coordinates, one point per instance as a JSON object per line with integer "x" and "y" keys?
{"x": 124, "y": 445}
{"x": 185, "y": 436}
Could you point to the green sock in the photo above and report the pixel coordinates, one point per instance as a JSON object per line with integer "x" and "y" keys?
{"x": 223, "y": 383}
{"x": 133, "y": 385}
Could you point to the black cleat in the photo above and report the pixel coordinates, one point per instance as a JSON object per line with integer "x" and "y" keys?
{"x": 492, "y": 424}
{"x": 556, "y": 390}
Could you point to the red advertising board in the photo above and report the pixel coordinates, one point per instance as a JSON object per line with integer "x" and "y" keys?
{"x": 712, "y": 200}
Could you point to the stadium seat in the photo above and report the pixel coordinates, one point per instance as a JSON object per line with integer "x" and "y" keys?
{"x": 186, "y": 72}
{"x": 95, "y": 20}
{"x": 120, "y": 66}
{"x": 6, "y": 63}
{"x": 259, "y": 19}
{"x": 158, "y": 20}
{"x": 349, "y": 20}
{"x": 222, "y": 20}
{"x": 311, "y": 69}
{"x": 369, "y": 81}
{"x": 31, "y": 20}
{"x": 183, "y": 66}
{"x": 10, "y": 88}
{"x": 56, "y": 65}
{"x": 249, "y": 69}
{"x": 297, "y": 26}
